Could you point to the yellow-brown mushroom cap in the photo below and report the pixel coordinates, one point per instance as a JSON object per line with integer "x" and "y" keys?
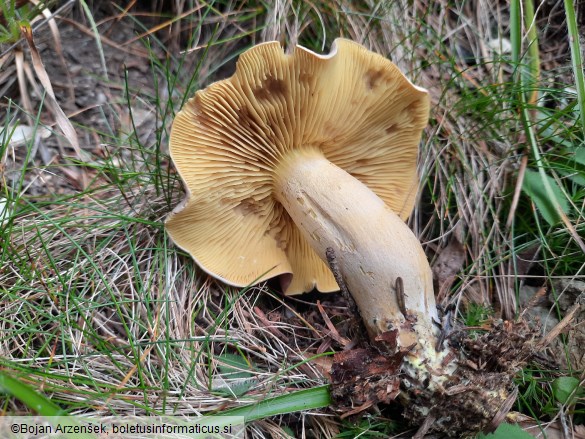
{"x": 352, "y": 105}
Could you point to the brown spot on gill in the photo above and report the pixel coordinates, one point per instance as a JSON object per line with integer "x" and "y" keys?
{"x": 412, "y": 107}
{"x": 271, "y": 87}
{"x": 372, "y": 78}
{"x": 249, "y": 206}
{"x": 330, "y": 130}
{"x": 249, "y": 122}
{"x": 243, "y": 116}
{"x": 277, "y": 228}
{"x": 305, "y": 76}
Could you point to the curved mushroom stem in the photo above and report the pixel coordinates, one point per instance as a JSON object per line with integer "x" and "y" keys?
{"x": 378, "y": 255}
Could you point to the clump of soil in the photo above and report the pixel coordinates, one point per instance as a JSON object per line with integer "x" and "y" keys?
{"x": 476, "y": 397}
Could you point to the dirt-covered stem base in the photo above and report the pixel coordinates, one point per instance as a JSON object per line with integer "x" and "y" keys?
{"x": 474, "y": 397}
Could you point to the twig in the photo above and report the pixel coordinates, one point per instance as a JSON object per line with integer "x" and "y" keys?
{"x": 502, "y": 412}
{"x": 534, "y": 300}
{"x": 566, "y": 431}
{"x": 559, "y": 327}
{"x": 268, "y": 324}
{"x": 333, "y": 333}
{"x": 425, "y": 426}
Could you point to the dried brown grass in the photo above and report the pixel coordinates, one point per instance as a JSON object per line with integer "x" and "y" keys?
{"x": 109, "y": 317}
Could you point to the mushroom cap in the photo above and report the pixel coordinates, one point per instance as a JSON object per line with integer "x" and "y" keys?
{"x": 353, "y": 105}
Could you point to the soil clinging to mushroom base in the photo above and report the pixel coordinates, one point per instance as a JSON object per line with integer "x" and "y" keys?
{"x": 476, "y": 397}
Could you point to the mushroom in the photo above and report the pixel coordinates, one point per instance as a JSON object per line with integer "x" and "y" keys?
{"x": 297, "y": 154}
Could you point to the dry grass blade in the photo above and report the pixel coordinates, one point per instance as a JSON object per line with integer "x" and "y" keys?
{"x": 24, "y": 95}
{"x": 58, "y": 46}
{"x": 517, "y": 191}
{"x": 62, "y": 121}
{"x": 134, "y": 50}
{"x": 164, "y": 24}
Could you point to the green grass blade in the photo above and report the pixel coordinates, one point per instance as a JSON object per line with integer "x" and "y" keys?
{"x": 308, "y": 399}
{"x": 29, "y": 397}
{"x": 524, "y": 83}
{"x": 98, "y": 40}
{"x": 515, "y": 32}
{"x": 533, "y": 186}
{"x": 576, "y": 59}
{"x": 533, "y": 51}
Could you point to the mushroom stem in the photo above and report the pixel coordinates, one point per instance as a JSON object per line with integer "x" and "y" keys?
{"x": 378, "y": 255}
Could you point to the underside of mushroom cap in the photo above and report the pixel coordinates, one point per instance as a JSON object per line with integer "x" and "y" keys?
{"x": 353, "y": 106}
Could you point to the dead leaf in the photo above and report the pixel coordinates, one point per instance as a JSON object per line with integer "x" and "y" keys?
{"x": 24, "y": 95}
{"x": 447, "y": 266}
{"x": 58, "y": 47}
{"x": 63, "y": 122}
{"x": 324, "y": 364}
{"x": 526, "y": 259}
{"x": 22, "y": 134}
